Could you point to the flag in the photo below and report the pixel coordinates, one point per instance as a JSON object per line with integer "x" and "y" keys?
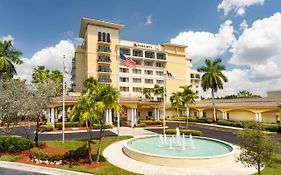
{"x": 65, "y": 71}
{"x": 127, "y": 61}
{"x": 169, "y": 74}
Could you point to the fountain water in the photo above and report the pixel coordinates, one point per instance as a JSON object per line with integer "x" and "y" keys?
{"x": 175, "y": 141}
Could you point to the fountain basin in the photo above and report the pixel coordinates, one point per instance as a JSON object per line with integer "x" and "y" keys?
{"x": 208, "y": 152}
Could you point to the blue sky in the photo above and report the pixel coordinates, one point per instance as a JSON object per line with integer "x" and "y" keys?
{"x": 35, "y": 25}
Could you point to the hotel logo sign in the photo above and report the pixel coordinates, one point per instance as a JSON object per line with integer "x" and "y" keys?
{"x": 142, "y": 46}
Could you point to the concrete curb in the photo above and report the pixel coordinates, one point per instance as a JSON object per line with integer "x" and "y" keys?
{"x": 66, "y": 132}
{"x": 38, "y": 169}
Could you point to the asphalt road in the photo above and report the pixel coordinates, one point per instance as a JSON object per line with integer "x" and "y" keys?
{"x": 5, "y": 171}
{"x": 19, "y": 131}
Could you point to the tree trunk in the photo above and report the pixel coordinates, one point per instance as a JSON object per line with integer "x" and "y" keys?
{"x": 213, "y": 105}
{"x": 36, "y": 132}
{"x": 89, "y": 142}
{"x": 100, "y": 140}
{"x": 259, "y": 169}
{"x": 187, "y": 115}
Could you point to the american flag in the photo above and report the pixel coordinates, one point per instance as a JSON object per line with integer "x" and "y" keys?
{"x": 127, "y": 61}
{"x": 65, "y": 71}
{"x": 169, "y": 74}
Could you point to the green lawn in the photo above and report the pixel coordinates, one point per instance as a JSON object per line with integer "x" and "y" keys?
{"x": 105, "y": 169}
{"x": 275, "y": 168}
{"x": 9, "y": 158}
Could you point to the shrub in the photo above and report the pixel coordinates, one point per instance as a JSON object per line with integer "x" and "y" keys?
{"x": 177, "y": 119}
{"x": 67, "y": 124}
{"x": 151, "y": 122}
{"x": 105, "y": 126}
{"x": 184, "y": 131}
{"x": 36, "y": 153}
{"x": 45, "y": 128}
{"x": 224, "y": 122}
{"x": 14, "y": 144}
{"x": 142, "y": 125}
{"x": 77, "y": 154}
{"x": 238, "y": 124}
{"x": 271, "y": 127}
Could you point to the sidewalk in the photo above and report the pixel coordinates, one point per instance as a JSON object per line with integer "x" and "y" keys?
{"x": 132, "y": 131}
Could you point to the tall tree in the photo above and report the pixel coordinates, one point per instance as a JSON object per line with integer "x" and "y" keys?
{"x": 8, "y": 57}
{"x": 158, "y": 91}
{"x": 213, "y": 79}
{"x": 177, "y": 101}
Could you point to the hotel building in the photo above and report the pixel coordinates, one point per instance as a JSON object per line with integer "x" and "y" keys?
{"x": 99, "y": 57}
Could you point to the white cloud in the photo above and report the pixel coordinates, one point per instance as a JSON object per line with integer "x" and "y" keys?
{"x": 6, "y": 38}
{"x": 203, "y": 44}
{"x": 50, "y": 57}
{"x": 238, "y": 6}
{"x": 258, "y": 48}
{"x": 243, "y": 25}
{"x": 148, "y": 20}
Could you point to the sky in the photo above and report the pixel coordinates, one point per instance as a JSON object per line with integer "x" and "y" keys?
{"x": 245, "y": 34}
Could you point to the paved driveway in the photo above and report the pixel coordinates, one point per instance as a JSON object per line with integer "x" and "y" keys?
{"x": 5, "y": 171}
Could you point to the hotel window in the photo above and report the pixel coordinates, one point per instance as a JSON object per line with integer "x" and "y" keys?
{"x": 104, "y": 69}
{"x": 149, "y": 81}
{"x": 161, "y": 56}
{"x": 108, "y": 37}
{"x": 191, "y": 75}
{"x": 148, "y": 63}
{"x": 137, "y": 53}
{"x": 104, "y": 79}
{"x": 104, "y": 58}
{"x": 125, "y": 51}
{"x": 197, "y": 76}
{"x": 159, "y": 73}
{"x": 159, "y": 64}
{"x": 99, "y": 36}
{"x": 124, "y": 79}
{"x": 103, "y": 37}
{"x": 104, "y": 49}
{"x": 195, "y": 114}
{"x": 148, "y": 72}
{"x": 137, "y": 89}
{"x": 123, "y": 70}
{"x": 136, "y": 71}
{"x": 149, "y": 54}
{"x": 138, "y": 62}
{"x": 159, "y": 81}
{"x": 124, "y": 89}
{"x": 136, "y": 80}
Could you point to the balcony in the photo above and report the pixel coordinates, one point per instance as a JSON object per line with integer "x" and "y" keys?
{"x": 104, "y": 71}
{"x": 104, "y": 80}
{"x": 104, "y": 60}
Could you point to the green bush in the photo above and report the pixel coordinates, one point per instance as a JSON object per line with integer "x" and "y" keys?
{"x": 105, "y": 126}
{"x": 151, "y": 122}
{"x": 224, "y": 122}
{"x": 77, "y": 154}
{"x": 238, "y": 124}
{"x": 142, "y": 125}
{"x": 14, "y": 144}
{"x": 177, "y": 119}
{"x": 37, "y": 153}
{"x": 271, "y": 127}
{"x": 184, "y": 131}
{"x": 45, "y": 128}
{"x": 67, "y": 124}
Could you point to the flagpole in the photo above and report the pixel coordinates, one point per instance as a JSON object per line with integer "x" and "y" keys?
{"x": 63, "y": 99}
{"x": 118, "y": 100}
{"x": 164, "y": 104}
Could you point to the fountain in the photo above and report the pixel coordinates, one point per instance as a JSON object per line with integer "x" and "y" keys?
{"x": 178, "y": 150}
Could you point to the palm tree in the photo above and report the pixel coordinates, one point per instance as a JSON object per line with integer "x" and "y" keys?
{"x": 158, "y": 91}
{"x": 177, "y": 100}
{"x": 40, "y": 75}
{"x": 8, "y": 57}
{"x": 213, "y": 79}
{"x": 189, "y": 97}
{"x": 147, "y": 92}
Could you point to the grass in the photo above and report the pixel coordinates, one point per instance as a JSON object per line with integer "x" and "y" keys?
{"x": 275, "y": 168}
{"x": 105, "y": 169}
{"x": 9, "y": 158}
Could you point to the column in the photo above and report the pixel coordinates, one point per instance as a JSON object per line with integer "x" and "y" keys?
{"x": 257, "y": 116}
{"x": 200, "y": 114}
{"x": 135, "y": 116}
{"x": 132, "y": 117}
{"x": 155, "y": 113}
{"x": 224, "y": 115}
{"x": 53, "y": 117}
{"x": 260, "y": 117}
{"x": 107, "y": 117}
{"x": 158, "y": 114}
{"x": 48, "y": 115}
{"x": 129, "y": 117}
{"x": 110, "y": 116}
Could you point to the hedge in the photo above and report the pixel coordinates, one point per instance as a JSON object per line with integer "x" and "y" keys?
{"x": 44, "y": 128}
{"x": 142, "y": 125}
{"x": 151, "y": 122}
{"x": 14, "y": 144}
{"x": 184, "y": 131}
{"x": 241, "y": 124}
{"x": 105, "y": 126}
{"x": 67, "y": 124}
{"x": 191, "y": 119}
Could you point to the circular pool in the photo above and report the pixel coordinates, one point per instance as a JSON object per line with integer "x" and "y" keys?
{"x": 179, "y": 151}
